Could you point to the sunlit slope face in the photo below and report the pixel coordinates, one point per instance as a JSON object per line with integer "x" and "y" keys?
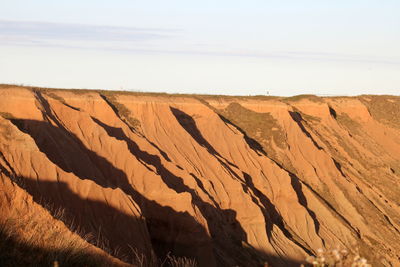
{"x": 223, "y": 180}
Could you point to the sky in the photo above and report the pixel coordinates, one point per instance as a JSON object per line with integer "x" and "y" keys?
{"x": 246, "y": 47}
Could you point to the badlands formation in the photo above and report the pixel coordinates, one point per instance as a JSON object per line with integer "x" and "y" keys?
{"x": 226, "y": 181}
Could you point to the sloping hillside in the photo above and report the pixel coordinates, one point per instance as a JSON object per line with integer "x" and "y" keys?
{"x": 224, "y": 180}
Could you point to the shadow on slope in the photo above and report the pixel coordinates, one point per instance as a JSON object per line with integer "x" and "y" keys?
{"x": 268, "y": 209}
{"x": 97, "y": 222}
{"x": 14, "y": 252}
{"x": 296, "y": 116}
{"x": 17, "y": 252}
{"x": 170, "y": 231}
{"x": 226, "y": 232}
{"x": 166, "y": 226}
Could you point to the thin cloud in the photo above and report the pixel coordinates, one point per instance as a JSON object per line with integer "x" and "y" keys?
{"x": 46, "y": 31}
{"x": 148, "y": 41}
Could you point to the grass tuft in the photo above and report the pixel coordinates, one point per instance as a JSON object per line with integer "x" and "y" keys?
{"x": 260, "y": 126}
{"x": 336, "y": 258}
{"x": 122, "y": 111}
{"x": 385, "y": 109}
{"x": 26, "y": 240}
{"x": 312, "y": 98}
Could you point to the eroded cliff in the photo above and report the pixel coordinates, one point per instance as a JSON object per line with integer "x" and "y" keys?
{"x": 224, "y": 180}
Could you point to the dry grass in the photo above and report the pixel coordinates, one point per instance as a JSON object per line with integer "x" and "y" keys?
{"x": 56, "y": 97}
{"x": 260, "y": 126}
{"x": 122, "y": 111}
{"x": 7, "y": 115}
{"x": 36, "y": 235}
{"x": 336, "y": 258}
{"x": 296, "y": 98}
{"x": 5, "y": 128}
{"x": 179, "y": 261}
{"x": 153, "y": 261}
{"x": 160, "y": 94}
{"x": 27, "y": 240}
{"x": 33, "y": 235}
{"x": 353, "y": 126}
{"x": 306, "y": 117}
{"x": 385, "y": 109}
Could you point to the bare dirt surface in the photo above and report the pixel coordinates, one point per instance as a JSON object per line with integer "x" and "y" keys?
{"x": 228, "y": 181}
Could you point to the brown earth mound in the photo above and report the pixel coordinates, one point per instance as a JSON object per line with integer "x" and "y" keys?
{"x": 226, "y": 181}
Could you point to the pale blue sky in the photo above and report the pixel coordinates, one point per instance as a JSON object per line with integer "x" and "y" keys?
{"x": 243, "y": 47}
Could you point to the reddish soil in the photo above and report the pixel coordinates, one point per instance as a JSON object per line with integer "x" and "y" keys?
{"x": 227, "y": 180}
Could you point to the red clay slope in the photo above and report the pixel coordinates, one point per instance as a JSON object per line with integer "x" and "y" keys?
{"x": 225, "y": 180}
